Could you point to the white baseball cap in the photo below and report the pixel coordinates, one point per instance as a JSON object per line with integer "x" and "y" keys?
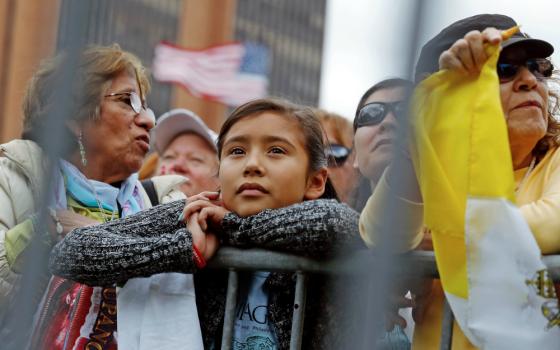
{"x": 178, "y": 121}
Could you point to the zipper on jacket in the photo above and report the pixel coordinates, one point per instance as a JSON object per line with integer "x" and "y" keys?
{"x": 38, "y": 329}
{"x": 75, "y": 313}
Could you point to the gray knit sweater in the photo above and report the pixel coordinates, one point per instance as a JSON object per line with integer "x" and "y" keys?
{"x": 153, "y": 241}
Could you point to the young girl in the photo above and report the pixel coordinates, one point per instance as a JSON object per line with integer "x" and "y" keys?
{"x": 274, "y": 190}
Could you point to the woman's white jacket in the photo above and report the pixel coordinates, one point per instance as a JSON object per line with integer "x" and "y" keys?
{"x": 23, "y": 169}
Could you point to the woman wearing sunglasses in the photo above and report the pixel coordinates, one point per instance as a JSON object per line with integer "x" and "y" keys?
{"x": 93, "y": 181}
{"x": 524, "y": 72}
{"x": 375, "y": 126}
{"x": 339, "y": 139}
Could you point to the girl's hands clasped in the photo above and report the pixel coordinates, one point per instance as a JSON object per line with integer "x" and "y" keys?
{"x": 209, "y": 207}
{"x": 204, "y": 214}
{"x": 205, "y": 242}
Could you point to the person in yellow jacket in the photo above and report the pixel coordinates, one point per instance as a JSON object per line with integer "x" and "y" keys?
{"x": 528, "y": 105}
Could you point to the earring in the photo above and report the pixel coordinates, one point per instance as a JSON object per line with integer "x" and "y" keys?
{"x": 82, "y": 149}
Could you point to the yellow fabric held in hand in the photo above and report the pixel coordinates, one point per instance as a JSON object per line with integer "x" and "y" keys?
{"x": 450, "y": 149}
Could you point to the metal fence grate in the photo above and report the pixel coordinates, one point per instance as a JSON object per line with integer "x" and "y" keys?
{"x": 257, "y": 259}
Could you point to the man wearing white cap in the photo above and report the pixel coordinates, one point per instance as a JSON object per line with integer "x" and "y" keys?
{"x": 186, "y": 146}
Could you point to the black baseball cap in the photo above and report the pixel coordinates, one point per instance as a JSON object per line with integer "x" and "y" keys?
{"x": 428, "y": 62}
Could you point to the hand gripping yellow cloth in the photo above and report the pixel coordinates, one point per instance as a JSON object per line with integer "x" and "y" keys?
{"x": 489, "y": 263}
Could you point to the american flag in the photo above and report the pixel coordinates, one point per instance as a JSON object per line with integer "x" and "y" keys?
{"x": 232, "y": 73}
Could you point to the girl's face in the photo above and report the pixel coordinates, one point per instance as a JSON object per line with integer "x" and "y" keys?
{"x": 264, "y": 165}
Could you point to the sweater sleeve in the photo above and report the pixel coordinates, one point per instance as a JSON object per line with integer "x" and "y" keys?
{"x": 140, "y": 245}
{"x": 543, "y": 214}
{"x": 315, "y": 228}
{"x": 406, "y": 231}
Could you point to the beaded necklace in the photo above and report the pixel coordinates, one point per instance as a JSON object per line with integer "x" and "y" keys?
{"x": 101, "y": 211}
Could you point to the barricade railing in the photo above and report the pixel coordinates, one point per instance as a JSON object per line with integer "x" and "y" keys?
{"x": 236, "y": 260}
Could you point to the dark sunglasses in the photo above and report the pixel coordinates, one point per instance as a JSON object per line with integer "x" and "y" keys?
{"x": 337, "y": 155}
{"x": 540, "y": 67}
{"x": 374, "y": 113}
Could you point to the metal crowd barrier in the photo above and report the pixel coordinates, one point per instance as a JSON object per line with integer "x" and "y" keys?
{"x": 258, "y": 259}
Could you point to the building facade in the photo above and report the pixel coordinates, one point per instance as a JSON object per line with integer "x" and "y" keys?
{"x": 292, "y": 30}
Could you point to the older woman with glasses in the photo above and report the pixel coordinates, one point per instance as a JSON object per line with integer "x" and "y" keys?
{"x": 528, "y": 104}
{"x": 94, "y": 181}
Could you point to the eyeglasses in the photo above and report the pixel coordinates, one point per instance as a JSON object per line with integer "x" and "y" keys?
{"x": 133, "y": 100}
{"x": 336, "y": 155}
{"x": 540, "y": 67}
{"x": 374, "y": 113}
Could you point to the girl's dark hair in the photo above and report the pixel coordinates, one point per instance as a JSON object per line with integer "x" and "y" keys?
{"x": 307, "y": 120}
{"x": 384, "y": 84}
